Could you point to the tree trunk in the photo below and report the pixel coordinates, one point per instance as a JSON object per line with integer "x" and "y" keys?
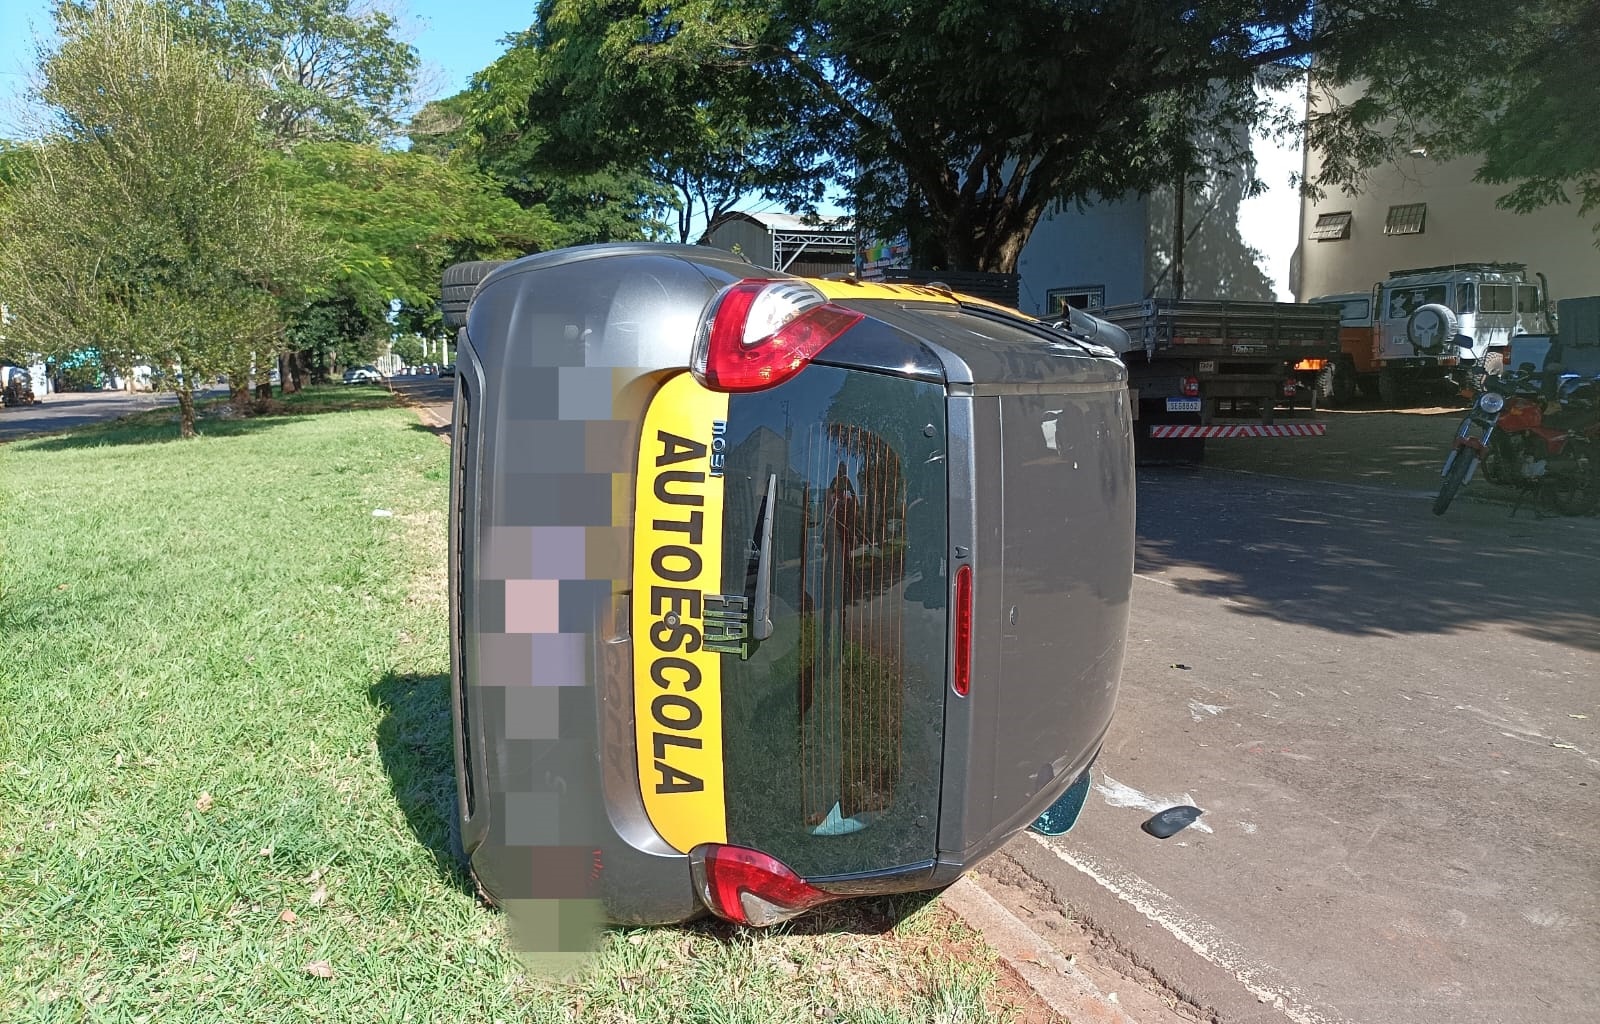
{"x": 1179, "y": 199}
{"x": 185, "y": 411}
{"x": 287, "y": 385}
{"x": 238, "y": 392}
{"x": 264, "y": 391}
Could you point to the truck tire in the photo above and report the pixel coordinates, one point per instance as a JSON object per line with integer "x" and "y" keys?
{"x": 458, "y": 283}
{"x": 1344, "y": 382}
{"x": 1494, "y": 362}
{"x": 1389, "y": 389}
{"x": 1323, "y": 389}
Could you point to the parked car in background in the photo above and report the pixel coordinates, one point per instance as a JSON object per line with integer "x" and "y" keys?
{"x": 447, "y": 370}
{"x": 362, "y": 375}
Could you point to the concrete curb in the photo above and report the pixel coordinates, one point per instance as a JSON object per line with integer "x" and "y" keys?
{"x": 1052, "y": 977}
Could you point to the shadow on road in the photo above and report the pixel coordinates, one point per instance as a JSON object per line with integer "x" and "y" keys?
{"x": 1369, "y": 561}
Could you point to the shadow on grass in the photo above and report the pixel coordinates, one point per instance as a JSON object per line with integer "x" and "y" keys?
{"x": 415, "y": 745}
{"x": 214, "y": 418}
{"x": 443, "y": 430}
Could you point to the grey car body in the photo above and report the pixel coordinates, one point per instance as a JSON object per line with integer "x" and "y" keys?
{"x": 936, "y": 433}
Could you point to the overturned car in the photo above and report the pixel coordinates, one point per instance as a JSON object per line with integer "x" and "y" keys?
{"x": 769, "y": 591}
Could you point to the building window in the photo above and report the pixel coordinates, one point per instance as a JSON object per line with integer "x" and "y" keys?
{"x": 1087, "y": 296}
{"x": 1332, "y": 227}
{"x": 1406, "y": 220}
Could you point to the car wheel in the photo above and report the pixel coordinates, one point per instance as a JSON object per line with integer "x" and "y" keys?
{"x": 457, "y": 285}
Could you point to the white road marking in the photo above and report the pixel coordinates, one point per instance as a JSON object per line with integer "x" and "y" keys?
{"x": 1119, "y": 795}
{"x": 1155, "y": 579}
{"x": 1160, "y": 909}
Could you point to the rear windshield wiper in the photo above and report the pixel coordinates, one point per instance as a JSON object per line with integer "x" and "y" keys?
{"x": 761, "y": 611}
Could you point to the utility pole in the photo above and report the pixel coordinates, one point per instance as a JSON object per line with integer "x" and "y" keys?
{"x": 1179, "y": 197}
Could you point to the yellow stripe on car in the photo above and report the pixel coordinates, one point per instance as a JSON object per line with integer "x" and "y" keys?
{"x": 677, "y": 566}
{"x": 843, "y": 288}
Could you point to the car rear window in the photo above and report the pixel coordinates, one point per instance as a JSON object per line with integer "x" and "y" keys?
{"x": 832, "y": 728}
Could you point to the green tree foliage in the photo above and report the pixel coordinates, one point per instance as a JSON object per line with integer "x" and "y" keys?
{"x": 1513, "y": 86}
{"x": 585, "y": 86}
{"x": 146, "y": 227}
{"x": 605, "y": 204}
{"x": 960, "y": 121}
{"x": 392, "y": 221}
{"x": 332, "y": 69}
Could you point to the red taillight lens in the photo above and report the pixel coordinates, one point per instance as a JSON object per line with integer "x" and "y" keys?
{"x": 962, "y": 678}
{"x": 759, "y": 333}
{"x": 750, "y": 888}
{"x": 1191, "y": 387}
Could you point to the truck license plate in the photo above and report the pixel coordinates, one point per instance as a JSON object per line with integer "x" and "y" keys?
{"x": 1183, "y": 405}
{"x": 1208, "y": 366}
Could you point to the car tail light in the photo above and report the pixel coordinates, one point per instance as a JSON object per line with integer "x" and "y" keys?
{"x": 758, "y": 333}
{"x": 750, "y": 888}
{"x": 1191, "y": 387}
{"x": 962, "y": 678}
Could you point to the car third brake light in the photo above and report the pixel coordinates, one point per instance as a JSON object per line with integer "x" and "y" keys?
{"x": 758, "y": 333}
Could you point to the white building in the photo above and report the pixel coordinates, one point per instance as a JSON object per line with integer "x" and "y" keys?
{"x": 1422, "y": 212}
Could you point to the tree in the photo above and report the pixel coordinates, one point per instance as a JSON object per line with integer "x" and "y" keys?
{"x": 578, "y": 86}
{"x": 1522, "y": 105}
{"x": 145, "y": 226}
{"x": 390, "y": 223}
{"x": 959, "y": 122}
{"x": 605, "y": 204}
{"x": 331, "y": 69}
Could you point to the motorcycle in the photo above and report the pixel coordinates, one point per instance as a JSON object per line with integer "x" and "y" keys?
{"x": 1528, "y": 439}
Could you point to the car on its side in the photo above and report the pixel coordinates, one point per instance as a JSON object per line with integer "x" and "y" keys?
{"x": 769, "y": 591}
{"x": 362, "y": 375}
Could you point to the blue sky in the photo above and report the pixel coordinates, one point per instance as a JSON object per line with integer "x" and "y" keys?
{"x": 454, "y": 37}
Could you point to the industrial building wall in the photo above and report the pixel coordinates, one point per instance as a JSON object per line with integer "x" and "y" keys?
{"x": 1097, "y": 252}
{"x": 1459, "y": 223}
{"x": 746, "y": 237}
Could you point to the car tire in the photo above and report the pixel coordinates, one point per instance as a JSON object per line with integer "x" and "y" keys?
{"x": 457, "y": 285}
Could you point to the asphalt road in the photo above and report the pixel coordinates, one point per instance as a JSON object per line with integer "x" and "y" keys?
{"x": 426, "y": 390}
{"x": 78, "y": 408}
{"x": 1392, "y": 724}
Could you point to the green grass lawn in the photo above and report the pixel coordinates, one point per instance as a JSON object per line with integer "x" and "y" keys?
{"x": 225, "y": 769}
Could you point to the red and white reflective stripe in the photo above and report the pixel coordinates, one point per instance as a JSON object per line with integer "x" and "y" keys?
{"x": 1240, "y": 430}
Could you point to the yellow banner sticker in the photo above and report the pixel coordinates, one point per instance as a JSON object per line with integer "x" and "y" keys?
{"x": 677, "y": 566}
